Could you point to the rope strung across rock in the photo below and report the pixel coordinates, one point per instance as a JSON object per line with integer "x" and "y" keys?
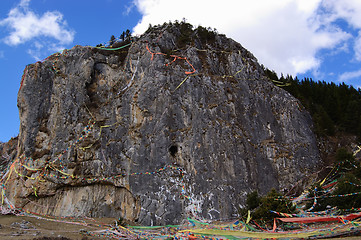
{"x": 114, "y": 49}
{"x": 100, "y": 133}
{"x": 93, "y": 179}
{"x": 175, "y": 57}
{"x": 185, "y": 80}
{"x": 280, "y": 84}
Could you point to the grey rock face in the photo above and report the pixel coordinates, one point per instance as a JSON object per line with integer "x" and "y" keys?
{"x": 7, "y": 153}
{"x": 108, "y": 133}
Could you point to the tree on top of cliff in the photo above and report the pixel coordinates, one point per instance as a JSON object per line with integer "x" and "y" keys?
{"x": 112, "y": 40}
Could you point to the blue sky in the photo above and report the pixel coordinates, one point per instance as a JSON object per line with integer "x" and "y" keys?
{"x": 314, "y": 38}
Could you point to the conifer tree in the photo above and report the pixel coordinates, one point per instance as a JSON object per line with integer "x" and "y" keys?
{"x": 112, "y": 40}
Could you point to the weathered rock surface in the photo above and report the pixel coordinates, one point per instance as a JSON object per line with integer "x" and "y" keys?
{"x": 8, "y": 152}
{"x": 92, "y": 120}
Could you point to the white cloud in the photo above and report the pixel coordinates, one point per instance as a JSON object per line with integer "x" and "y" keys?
{"x": 347, "y": 76}
{"x": 285, "y": 35}
{"x": 25, "y": 25}
{"x": 357, "y": 47}
{"x": 37, "y": 51}
{"x": 128, "y": 8}
{"x": 348, "y": 10}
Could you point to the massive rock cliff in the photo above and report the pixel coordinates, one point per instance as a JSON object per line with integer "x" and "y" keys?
{"x": 180, "y": 122}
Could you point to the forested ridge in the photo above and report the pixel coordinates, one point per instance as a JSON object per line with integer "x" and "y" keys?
{"x": 334, "y": 107}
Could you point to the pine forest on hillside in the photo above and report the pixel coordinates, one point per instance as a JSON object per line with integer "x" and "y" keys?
{"x": 334, "y": 108}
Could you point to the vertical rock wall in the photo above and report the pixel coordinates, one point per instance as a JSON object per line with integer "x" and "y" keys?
{"x": 155, "y": 135}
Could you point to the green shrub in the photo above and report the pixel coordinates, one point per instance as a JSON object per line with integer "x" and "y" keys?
{"x": 261, "y": 207}
{"x": 273, "y": 201}
{"x": 345, "y": 195}
{"x": 186, "y": 31}
{"x": 206, "y": 35}
{"x": 253, "y": 200}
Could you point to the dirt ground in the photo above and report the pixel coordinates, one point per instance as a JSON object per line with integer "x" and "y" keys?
{"x": 14, "y": 227}
{"x": 24, "y": 228}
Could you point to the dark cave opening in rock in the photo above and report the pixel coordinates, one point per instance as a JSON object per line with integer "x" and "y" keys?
{"x": 173, "y": 150}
